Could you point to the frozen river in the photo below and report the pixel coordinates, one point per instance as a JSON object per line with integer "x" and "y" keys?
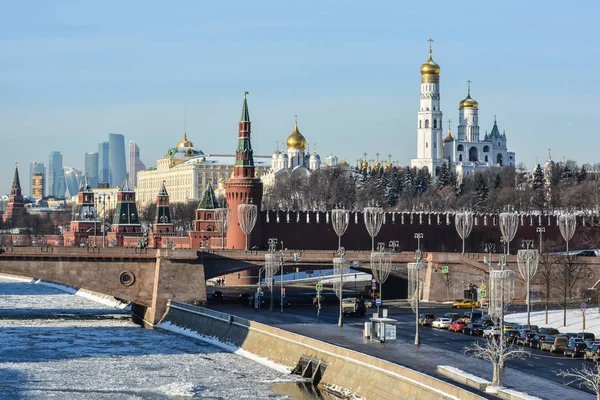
{"x": 61, "y": 346}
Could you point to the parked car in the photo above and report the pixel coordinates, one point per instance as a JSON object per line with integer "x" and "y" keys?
{"x": 554, "y": 343}
{"x": 465, "y": 304}
{"x": 511, "y": 335}
{"x": 216, "y": 295}
{"x": 575, "y": 348}
{"x": 592, "y": 352}
{"x": 525, "y": 327}
{"x": 491, "y": 331}
{"x": 457, "y": 326}
{"x": 426, "y": 319}
{"x": 353, "y": 306}
{"x": 441, "y": 323}
{"x": 452, "y": 315}
{"x": 585, "y": 336}
{"x": 526, "y": 338}
{"x": 486, "y": 320}
{"x": 569, "y": 335}
{"x": 548, "y": 331}
{"x": 473, "y": 329}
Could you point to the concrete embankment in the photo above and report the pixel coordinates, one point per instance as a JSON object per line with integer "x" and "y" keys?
{"x": 347, "y": 372}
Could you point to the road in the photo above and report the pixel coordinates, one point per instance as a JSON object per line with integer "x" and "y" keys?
{"x": 303, "y": 319}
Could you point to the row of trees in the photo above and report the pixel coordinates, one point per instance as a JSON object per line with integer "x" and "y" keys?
{"x": 556, "y": 185}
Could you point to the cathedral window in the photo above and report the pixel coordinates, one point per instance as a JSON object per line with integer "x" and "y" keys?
{"x": 460, "y": 157}
{"x": 460, "y": 148}
{"x": 434, "y": 122}
{"x": 420, "y": 124}
{"x": 426, "y": 145}
{"x": 486, "y": 149}
{"x": 426, "y": 123}
{"x": 486, "y": 158}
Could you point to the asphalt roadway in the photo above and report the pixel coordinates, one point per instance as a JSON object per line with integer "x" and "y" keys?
{"x": 300, "y": 319}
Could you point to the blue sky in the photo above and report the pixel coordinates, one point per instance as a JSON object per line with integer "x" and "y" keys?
{"x": 72, "y": 71}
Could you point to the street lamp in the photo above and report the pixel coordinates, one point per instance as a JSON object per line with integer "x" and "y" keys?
{"x": 527, "y": 260}
{"x": 339, "y": 220}
{"x": 489, "y": 248}
{"x": 247, "y": 215}
{"x": 373, "y": 221}
{"x": 541, "y": 231}
{"x": 272, "y": 262}
{"x": 281, "y": 282}
{"x": 102, "y": 199}
{"x": 340, "y": 266}
{"x": 381, "y": 265}
{"x": 414, "y": 284}
{"x": 394, "y": 244}
{"x": 464, "y": 224}
{"x": 567, "y": 224}
{"x": 223, "y": 219}
{"x": 509, "y": 223}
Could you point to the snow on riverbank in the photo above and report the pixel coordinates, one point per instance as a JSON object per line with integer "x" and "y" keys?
{"x": 555, "y": 320}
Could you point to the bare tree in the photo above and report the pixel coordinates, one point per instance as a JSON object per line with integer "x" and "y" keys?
{"x": 584, "y": 378}
{"x": 493, "y": 351}
{"x": 547, "y": 275}
{"x": 569, "y": 273}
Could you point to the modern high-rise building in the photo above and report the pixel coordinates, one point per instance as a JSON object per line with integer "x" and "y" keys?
{"x": 91, "y": 169}
{"x": 117, "y": 169}
{"x": 56, "y": 178}
{"x": 72, "y": 179}
{"x": 37, "y": 185}
{"x": 135, "y": 164}
{"x": 35, "y": 167}
{"x": 103, "y": 163}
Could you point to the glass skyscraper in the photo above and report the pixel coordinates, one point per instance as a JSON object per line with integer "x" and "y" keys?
{"x": 56, "y": 178}
{"x": 135, "y": 164}
{"x": 91, "y": 169}
{"x": 72, "y": 179}
{"x": 117, "y": 169}
{"x": 103, "y": 163}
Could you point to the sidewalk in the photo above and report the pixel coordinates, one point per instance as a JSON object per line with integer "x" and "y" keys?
{"x": 424, "y": 358}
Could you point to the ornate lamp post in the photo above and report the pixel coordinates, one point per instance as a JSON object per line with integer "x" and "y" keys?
{"x": 527, "y": 261}
{"x": 272, "y": 261}
{"x": 247, "y": 214}
{"x": 339, "y": 220}
{"x": 340, "y": 267}
{"x": 567, "y": 224}
{"x": 414, "y": 284}
{"x": 381, "y": 265}
{"x": 102, "y": 199}
{"x": 509, "y": 223}
{"x": 489, "y": 248}
{"x": 503, "y": 292}
{"x": 394, "y": 244}
{"x": 373, "y": 221}
{"x": 464, "y": 224}
{"x": 223, "y": 219}
{"x": 541, "y": 231}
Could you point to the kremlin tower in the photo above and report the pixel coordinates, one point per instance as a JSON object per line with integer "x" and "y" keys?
{"x": 15, "y": 209}
{"x": 244, "y": 187}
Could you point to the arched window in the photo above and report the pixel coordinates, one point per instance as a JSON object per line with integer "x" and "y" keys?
{"x": 473, "y": 154}
{"x": 499, "y": 159}
{"x": 420, "y": 124}
{"x": 486, "y": 149}
{"x": 460, "y": 148}
{"x": 426, "y": 123}
{"x": 435, "y": 123}
{"x": 437, "y": 171}
{"x": 460, "y": 157}
{"x": 486, "y": 158}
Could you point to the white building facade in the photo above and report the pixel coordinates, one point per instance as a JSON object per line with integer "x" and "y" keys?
{"x": 467, "y": 153}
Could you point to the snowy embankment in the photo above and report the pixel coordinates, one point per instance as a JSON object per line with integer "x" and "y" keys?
{"x": 97, "y": 297}
{"x": 555, "y": 320}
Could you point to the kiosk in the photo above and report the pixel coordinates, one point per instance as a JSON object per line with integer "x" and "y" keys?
{"x": 380, "y": 329}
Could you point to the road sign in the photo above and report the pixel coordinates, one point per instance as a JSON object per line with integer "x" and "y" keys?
{"x": 373, "y": 284}
{"x": 319, "y": 287}
{"x": 482, "y": 287}
{"x": 378, "y": 302}
{"x": 282, "y": 292}
{"x": 445, "y": 269}
{"x": 583, "y": 305}
{"x": 482, "y": 293}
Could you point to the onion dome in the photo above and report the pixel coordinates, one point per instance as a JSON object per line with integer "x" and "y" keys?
{"x": 185, "y": 142}
{"x": 468, "y": 102}
{"x": 296, "y": 140}
{"x": 448, "y": 138}
{"x": 430, "y": 71}
{"x": 365, "y": 164}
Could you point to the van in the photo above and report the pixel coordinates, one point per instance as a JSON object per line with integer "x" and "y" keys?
{"x": 353, "y": 306}
{"x": 473, "y": 315}
{"x": 426, "y": 319}
{"x": 586, "y": 336}
{"x": 554, "y": 343}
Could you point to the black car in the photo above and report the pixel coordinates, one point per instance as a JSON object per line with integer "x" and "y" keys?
{"x": 526, "y": 338}
{"x": 536, "y": 340}
{"x": 511, "y": 335}
{"x": 473, "y": 329}
{"x": 217, "y": 295}
{"x": 592, "y": 353}
{"x": 575, "y": 348}
{"x": 586, "y": 336}
{"x": 486, "y": 321}
{"x": 549, "y": 331}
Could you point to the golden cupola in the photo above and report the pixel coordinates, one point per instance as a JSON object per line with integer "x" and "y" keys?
{"x": 468, "y": 102}
{"x": 185, "y": 142}
{"x": 430, "y": 71}
{"x": 296, "y": 140}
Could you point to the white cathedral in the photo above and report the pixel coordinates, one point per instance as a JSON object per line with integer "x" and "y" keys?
{"x": 466, "y": 153}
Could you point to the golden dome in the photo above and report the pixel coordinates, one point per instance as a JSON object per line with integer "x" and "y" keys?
{"x": 365, "y": 164}
{"x": 377, "y": 165}
{"x": 430, "y": 68}
{"x": 468, "y": 103}
{"x": 296, "y": 140}
{"x": 185, "y": 142}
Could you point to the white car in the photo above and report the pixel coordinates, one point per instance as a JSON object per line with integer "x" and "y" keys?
{"x": 491, "y": 331}
{"x": 442, "y": 323}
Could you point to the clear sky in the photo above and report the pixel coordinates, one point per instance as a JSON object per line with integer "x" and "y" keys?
{"x": 73, "y": 71}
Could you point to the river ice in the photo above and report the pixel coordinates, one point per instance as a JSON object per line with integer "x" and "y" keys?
{"x": 55, "y": 345}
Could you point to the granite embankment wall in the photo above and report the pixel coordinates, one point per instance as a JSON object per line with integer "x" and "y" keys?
{"x": 348, "y": 371}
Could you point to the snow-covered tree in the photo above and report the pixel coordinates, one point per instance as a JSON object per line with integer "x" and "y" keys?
{"x": 481, "y": 193}
{"x": 497, "y": 352}
{"x": 586, "y": 377}
{"x": 444, "y": 178}
{"x": 538, "y": 188}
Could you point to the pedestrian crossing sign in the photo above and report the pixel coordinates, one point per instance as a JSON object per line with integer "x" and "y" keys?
{"x": 482, "y": 293}
{"x": 445, "y": 269}
{"x": 319, "y": 287}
